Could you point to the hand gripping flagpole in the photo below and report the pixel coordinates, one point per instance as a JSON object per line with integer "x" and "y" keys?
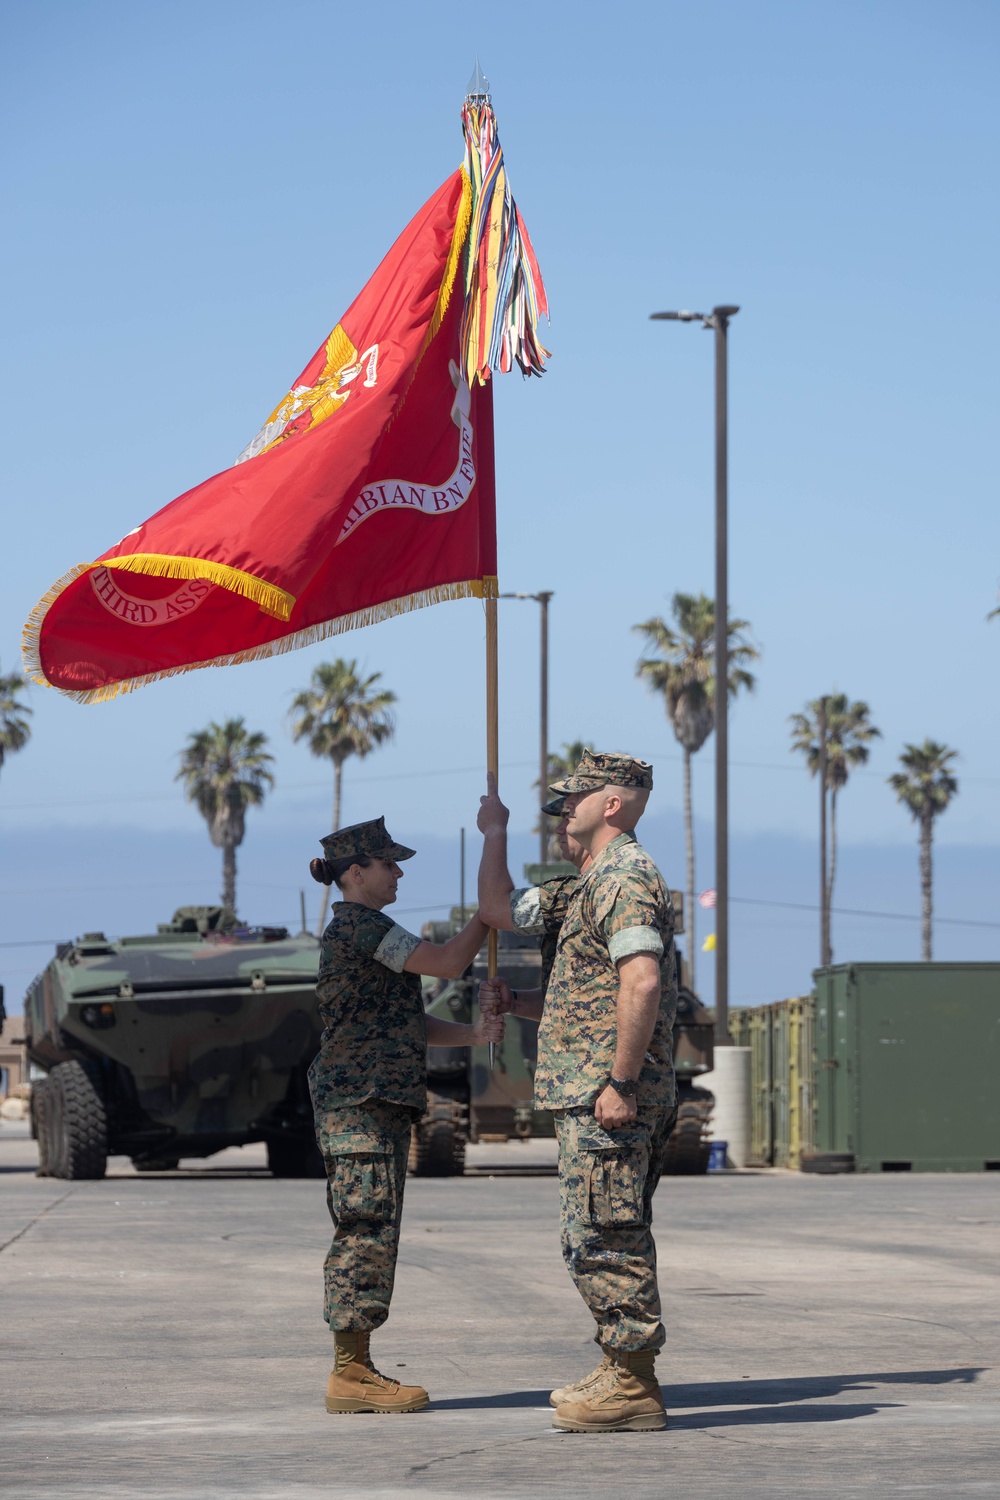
{"x": 503, "y": 298}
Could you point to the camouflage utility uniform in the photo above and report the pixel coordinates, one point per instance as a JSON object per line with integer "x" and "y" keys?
{"x": 541, "y": 910}
{"x": 368, "y": 1084}
{"x": 619, "y": 906}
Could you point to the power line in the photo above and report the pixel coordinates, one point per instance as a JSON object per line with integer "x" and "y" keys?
{"x": 850, "y": 911}
{"x": 840, "y": 911}
{"x": 403, "y": 911}
{"x": 515, "y": 765}
{"x": 769, "y": 765}
{"x": 168, "y": 883}
{"x": 291, "y": 786}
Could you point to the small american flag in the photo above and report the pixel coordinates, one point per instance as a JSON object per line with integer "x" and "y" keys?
{"x": 707, "y": 900}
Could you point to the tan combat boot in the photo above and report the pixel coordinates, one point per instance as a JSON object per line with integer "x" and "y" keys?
{"x": 627, "y": 1399}
{"x": 355, "y": 1385}
{"x": 579, "y": 1387}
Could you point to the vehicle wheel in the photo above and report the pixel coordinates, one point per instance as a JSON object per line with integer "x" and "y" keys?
{"x": 74, "y": 1123}
{"x": 40, "y": 1124}
{"x": 295, "y": 1158}
{"x": 690, "y": 1146}
{"x": 437, "y": 1149}
{"x": 157, "y": 1164}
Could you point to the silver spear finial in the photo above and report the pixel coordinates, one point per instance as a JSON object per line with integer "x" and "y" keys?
{"x": 479, "y": 85}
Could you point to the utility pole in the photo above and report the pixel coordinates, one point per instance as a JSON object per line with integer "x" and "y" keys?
{"x": 825, "y": 954}
{"x": 461, "y": 874}
{"x": 543, "y": 751}
{"x": 542, "y": 598}
{"x": 718, "y": 321}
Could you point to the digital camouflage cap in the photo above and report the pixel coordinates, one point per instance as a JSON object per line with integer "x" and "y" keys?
{"x": 610, "y": 768}
{"x": 364, "y": 840}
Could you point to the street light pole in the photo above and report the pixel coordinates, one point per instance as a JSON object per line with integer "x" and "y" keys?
{"x": 543, "y": 748}
{"x": 542, "y": 598}
{"x": 824, "y": 893}
{"x": 461, "y": 873}
{"x": 718, "y": 321}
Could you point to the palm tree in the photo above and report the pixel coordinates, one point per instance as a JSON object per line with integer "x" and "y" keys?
{"x": 925, "y": 786}
{"x": 340, "y": 716}
{"x": 683, "y": 670}
{"x": 224, "y": 769}
{"x": 15, "y": 731}
{"x": 849, "y": 732}
{"x": 562, "y": 763}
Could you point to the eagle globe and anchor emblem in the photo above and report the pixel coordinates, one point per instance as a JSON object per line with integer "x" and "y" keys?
{"x": 299, "y": 412}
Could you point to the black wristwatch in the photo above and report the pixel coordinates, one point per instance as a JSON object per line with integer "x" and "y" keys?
{"x": 624, "y": 1086}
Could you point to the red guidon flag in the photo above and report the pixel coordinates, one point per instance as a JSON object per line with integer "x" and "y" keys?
{"x": 368, "y": 491}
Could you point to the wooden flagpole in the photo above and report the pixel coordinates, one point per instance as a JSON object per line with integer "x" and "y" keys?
{"x": 497, "y": 326}
{"x": 492, "y": 755}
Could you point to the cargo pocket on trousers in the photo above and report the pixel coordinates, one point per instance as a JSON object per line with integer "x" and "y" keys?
{"x": 616, "y": 1185}
{"x": 363, "y": 1183}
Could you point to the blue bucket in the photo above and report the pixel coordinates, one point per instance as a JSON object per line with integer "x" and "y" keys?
{"x": 717, "y": 1156}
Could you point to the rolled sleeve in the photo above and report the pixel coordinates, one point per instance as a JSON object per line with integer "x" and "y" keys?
{"x": 526, "y": 911}
{"x": 634, "y": 918}
{"x": 635, "y": 940}
{"x": 395, "y": 948}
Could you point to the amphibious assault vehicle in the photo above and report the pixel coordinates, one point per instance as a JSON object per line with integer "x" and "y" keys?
{"x": 690, "y": 1143}
{"x": 466, "y": 1102}
{"x": 175, "y": 1044}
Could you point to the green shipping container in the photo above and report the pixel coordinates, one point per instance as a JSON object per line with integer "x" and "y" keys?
{"x": 907, "y": 1068}
{"x": 780, "y": 1038}
{"x": 761, "y": 1087}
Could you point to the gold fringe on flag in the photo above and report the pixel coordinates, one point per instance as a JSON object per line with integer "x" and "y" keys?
{"x": 462, "y": 221}
{"x": 267, "y": 596}
{"x": 476, "y": 588}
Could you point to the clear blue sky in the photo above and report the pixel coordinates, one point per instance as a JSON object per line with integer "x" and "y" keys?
{"x": 196, "y": 191}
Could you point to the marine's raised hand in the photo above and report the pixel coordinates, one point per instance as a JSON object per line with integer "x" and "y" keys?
{"x": 489, "y": 1028}
{"x": 492, "y": 816}
{"x": 495, "y": 997}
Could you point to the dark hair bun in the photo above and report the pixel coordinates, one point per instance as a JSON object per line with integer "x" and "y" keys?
{"x": 321, "y": 870}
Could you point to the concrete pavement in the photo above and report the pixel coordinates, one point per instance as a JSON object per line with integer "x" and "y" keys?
{"x": 161, "y": 1337}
